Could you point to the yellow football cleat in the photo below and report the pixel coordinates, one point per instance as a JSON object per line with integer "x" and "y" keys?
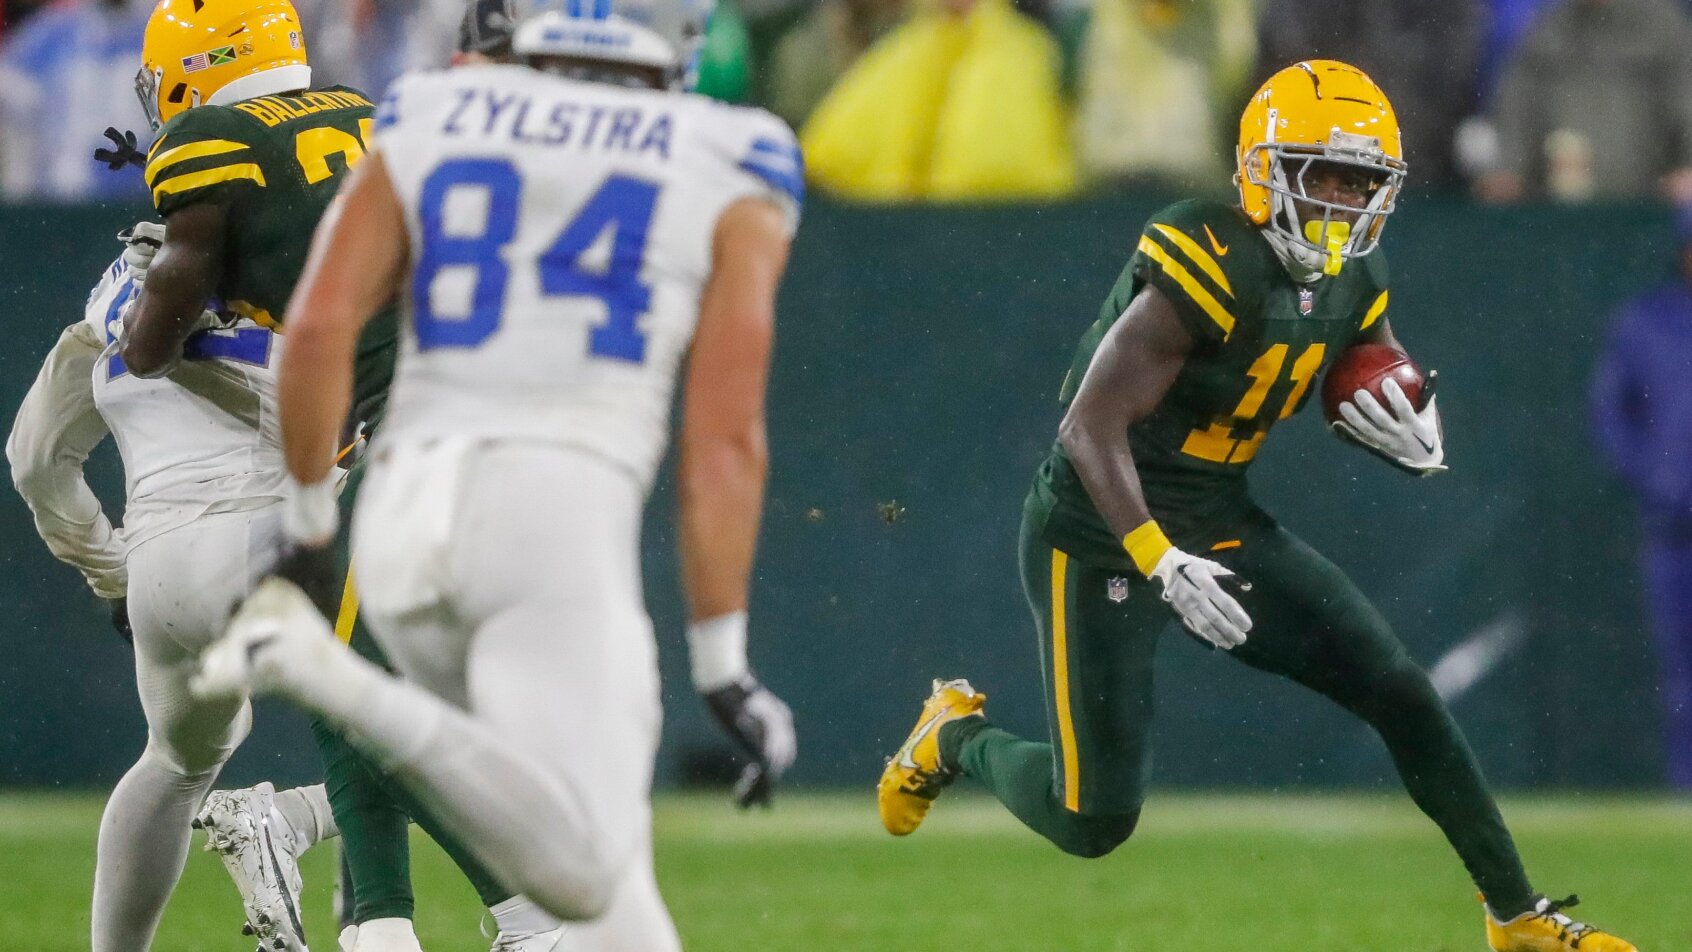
{"x": 915, "y": 776}
{"x": 1546, "y": 929}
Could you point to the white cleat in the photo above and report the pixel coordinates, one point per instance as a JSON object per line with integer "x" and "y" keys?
{"x": 530, "y": 941}
{"x": 276, "y": 638}
{"x": 260, "y": 854}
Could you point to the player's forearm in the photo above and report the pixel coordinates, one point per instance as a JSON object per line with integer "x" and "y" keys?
{"x": 178, "y": 284}
{"x": 314, "y": 392}
{"x": 1104, "y": 460}
{"x": 722, "y": 499}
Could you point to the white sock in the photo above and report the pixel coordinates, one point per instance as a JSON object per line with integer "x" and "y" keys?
{"x": 519, "y": 915}
{"x": 387, "y": 935}
{"x": 143, "y": 845}
{"x": 306, "y": 812}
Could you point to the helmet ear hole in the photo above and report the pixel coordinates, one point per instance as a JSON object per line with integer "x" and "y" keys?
{"x": 176, "y": 93}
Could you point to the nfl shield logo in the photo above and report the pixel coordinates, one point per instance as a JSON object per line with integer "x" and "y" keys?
{"x": 1306, "y": 300}
{"x": 1116, "y": 590}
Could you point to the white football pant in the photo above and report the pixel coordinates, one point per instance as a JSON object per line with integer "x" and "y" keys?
{"x": 503, "y": 578}
{"x": 183, "y": 585}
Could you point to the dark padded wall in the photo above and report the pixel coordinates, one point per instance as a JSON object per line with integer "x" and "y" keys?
{"x": 918, "y": 360}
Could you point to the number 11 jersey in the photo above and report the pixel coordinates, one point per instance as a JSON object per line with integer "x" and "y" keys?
{"x": 561, "y": 238}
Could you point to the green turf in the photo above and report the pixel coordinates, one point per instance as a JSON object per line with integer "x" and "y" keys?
{"x": 1205, "y": 874}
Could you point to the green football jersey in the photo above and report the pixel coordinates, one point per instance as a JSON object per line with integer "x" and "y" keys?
{"x": 273, "y": 163}
{"x": 1262, "y": 342}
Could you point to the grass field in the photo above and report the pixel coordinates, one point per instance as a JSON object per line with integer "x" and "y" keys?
{"x": 1205, "y": 874}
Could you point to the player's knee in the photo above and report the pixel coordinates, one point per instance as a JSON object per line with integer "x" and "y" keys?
{"x": 1092, "y": 837}
{"x": 574, "y": 877}
{"x": 573, "y": 889}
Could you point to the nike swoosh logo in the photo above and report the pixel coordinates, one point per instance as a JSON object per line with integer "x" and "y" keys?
{"x": 1216, "y": 246}
{"x": 1428, "y": 447}
{"x": 916, "y": 738}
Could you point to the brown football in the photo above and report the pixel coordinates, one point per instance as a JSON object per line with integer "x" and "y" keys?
{"x": 1366, "y": 367}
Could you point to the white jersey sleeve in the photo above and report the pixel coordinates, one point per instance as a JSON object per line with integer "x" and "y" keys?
{"x": 561, "y": 235}
{"x": 57, "y": 426}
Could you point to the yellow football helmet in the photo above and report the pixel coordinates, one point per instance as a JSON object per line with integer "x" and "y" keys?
{"x": 215, "y": 52}
{"x": 1326, "y": 111}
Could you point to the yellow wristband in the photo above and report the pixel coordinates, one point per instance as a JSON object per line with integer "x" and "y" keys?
{"x": 1146, "y": 546}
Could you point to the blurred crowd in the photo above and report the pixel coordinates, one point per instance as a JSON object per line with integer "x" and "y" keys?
{"x": 935, "y": 100}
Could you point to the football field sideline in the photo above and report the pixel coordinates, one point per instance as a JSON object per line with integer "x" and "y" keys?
{"x": 1260, "y": 872}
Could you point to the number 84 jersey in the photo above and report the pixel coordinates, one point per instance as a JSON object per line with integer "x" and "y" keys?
{"x": 561, "y": 236}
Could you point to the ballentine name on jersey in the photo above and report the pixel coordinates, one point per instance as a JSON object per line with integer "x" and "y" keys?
{"x": 632, "y": 130}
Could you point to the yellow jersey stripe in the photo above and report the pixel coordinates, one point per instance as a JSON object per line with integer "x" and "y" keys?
{"x": 254, "y": 313}
{"x": 1375, "y": 311}
{"x": 182, "y": 153}
{"x": 1190, "y": 284}
{"x": 1200, "y": 257}
{"x": 193, "y": 180}
{"x": 348, "y": 615}
{"x": 1060, "y": 680}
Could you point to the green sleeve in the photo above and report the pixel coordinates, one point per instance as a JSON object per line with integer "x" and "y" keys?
{"x": 208, "y": 154}
{"x": 1183, "y": 252}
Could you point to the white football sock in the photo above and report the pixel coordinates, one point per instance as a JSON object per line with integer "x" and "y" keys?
{"x": 518, "y": 914}
{"x": 306, "y": 812}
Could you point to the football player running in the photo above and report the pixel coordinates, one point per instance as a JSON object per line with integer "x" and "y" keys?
{"x": 203, "y": 484}
{"x": 568, "y": 228}
{"x": 1220, "y": 323}
{"x": 246, "y": 157}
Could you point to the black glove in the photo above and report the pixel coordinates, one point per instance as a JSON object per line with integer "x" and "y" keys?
{"x": 120, "y": 619}
{"x": 318, "y": 571}
{"x": 123, "y": 151}
{"x": 762, "y": 725}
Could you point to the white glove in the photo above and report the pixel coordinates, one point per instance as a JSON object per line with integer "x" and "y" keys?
{"x": 1192, "y": 586}
{"x": 142, "y": 242}
{"x": 1408, "y": 438}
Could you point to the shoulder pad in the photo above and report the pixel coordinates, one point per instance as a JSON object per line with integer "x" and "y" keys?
{"x": 1193, "y": 252}
{"x": 202, "y": 154}
{"x": 762, "y": 146}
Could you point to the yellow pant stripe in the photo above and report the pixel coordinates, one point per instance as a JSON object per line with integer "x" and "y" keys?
{"x": 1060, "y": 679}
{"x": 348, "y": 615}
{"x": 193, "y": 180}
{"x": 1375, "y": 311}
{"x": 182, "y": 153}
{"x": 1202, "y": 297}
{"x": 1200, "y": 257}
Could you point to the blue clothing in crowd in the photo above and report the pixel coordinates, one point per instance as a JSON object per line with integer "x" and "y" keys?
{"x": 1642, "y": 415}
{"x": 65, "y": 75}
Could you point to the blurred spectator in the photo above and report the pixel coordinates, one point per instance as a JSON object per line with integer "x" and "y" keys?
{"x": 1160, "y": 86}
{"x": 1642, "y": 414}
{"x": 1508, "y": 21}
{"x": 65, "y": 75}
{"x": 1597, "y": 103}
{"x": 1423, "y": 54}
{"x": 961, "y": 103}
{"x": 812, "y": 56}
{"x": 725, "y": 59}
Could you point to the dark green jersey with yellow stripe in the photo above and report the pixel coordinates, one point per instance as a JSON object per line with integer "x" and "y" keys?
{"x": 272, "y": 164}
{"x": 1262, "y": 342}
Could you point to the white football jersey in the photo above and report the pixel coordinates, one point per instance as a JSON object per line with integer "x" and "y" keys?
{"x": 561, "y": 235}
{"x": 205, "y": 439}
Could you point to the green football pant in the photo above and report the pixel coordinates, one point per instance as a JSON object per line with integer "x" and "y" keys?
{"x": 1098, "y": 633}
{"x": 373, "y": 812}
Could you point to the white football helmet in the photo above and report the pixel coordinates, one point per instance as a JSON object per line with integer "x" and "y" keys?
{"x": 662, "y": 35}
